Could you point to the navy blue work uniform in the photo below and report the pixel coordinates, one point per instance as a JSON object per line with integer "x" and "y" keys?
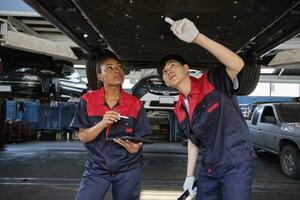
{"x": 109, "y": 162}
{"x": 217, "y": 127}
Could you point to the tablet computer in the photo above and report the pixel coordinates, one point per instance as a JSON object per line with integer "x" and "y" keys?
{"x": 131, "y": 139}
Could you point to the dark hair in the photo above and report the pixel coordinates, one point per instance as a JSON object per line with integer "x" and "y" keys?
{"x": 166, "y": 59}
{"x": 103, "y": 57}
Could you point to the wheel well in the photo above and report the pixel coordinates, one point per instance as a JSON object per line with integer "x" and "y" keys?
{"x": 284, "y": 142}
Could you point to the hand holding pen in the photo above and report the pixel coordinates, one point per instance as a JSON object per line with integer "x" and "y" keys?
{"x": 110, "y": 117}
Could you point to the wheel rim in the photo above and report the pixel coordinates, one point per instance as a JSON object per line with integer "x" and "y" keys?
{"x": 289, "y": 163}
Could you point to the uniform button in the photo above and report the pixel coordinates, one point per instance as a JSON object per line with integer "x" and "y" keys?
{"x": 203, "y": 106}
{"x": 209, "y": 170}
{"x": 126, "y": 124}
{"x": 113, "y": 174}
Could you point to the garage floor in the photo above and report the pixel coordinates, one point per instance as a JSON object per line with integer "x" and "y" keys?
{"x": 52, "y": 170}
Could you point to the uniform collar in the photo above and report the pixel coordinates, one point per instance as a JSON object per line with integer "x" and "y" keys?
{"x": 195, "y": 95}
{"x": 194, "y": 89}
{"x": 101, "y": 93}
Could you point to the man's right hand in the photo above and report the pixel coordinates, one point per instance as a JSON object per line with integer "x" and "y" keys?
{"x": 110, "y": 117}
{"x": 188, "y": 185}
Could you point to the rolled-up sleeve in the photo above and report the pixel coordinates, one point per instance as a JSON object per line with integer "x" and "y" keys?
{"x": 222, "y": 82}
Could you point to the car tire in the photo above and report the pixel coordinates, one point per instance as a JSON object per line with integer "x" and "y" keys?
{"x": 248, "y": 77}
{"x": 290, "y": 161}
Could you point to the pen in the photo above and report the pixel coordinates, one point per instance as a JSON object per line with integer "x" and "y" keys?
{"x": 124, "y": 117}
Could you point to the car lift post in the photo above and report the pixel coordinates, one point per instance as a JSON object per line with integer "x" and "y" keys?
{"x": 2, "y": 114}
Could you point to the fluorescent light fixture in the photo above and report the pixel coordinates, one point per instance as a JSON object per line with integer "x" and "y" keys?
{"x": 5, "y": 88}
{"x": 79, "y": 66}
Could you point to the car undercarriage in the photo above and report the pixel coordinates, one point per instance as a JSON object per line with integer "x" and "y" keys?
{"x": 137, "y": 33}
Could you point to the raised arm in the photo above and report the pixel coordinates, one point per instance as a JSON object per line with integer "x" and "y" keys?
{"x": 186, "y": 30}
{"x": 234, "y": 64}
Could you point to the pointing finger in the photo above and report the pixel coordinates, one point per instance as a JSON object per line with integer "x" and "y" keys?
{"x": 169, "y": 20}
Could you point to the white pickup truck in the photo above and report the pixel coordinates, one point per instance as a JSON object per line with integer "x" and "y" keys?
{"x": 275, "y": 127}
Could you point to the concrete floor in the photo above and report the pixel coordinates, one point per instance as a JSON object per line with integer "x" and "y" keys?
{"x": 52, "y": 170}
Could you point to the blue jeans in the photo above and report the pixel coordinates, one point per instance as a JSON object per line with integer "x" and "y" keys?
{"x": 125, "y": 185}
{"x": 228, "y": 182}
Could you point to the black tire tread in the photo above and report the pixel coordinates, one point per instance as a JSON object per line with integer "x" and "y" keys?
{"x": 248, "y": 77}
{"x": 296, "y": 153}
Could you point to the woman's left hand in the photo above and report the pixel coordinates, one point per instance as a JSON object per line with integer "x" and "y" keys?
{"x": 131, "y": 147}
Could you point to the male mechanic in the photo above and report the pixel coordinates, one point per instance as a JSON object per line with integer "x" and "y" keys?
{"x": 209, "y": 114}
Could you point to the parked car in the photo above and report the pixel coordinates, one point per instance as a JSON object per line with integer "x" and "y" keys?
{"x": 71, "y": 83}
{"x": 33, "y": 79}
{"x": 275, "y": 127}
{"x": 36, "y": 82}
{"x": 25, "y": 81}
{"x": 155, "y": 94}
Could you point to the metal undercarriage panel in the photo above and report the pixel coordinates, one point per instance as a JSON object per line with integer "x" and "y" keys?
{"x": 136, "y": 31}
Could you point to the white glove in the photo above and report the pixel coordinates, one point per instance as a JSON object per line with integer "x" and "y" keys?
{"x": 188, "y": 185}
{"x": 184, "y": 29}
